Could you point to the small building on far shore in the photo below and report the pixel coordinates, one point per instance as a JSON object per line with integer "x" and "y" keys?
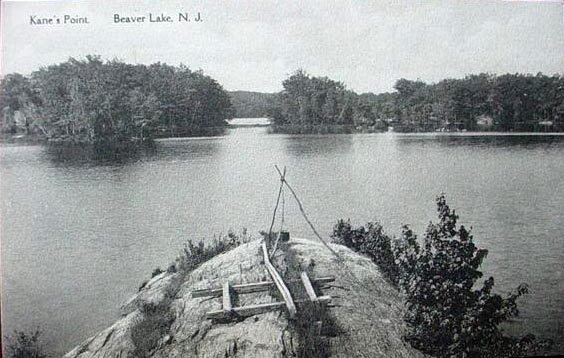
{"x": 484, "y": 122}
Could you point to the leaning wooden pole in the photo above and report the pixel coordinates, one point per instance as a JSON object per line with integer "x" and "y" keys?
{"x": 300, "y": 206}
{"x": 277, "y": 202}
{"x": 290, "y": 305}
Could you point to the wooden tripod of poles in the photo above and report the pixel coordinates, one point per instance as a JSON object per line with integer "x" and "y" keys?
{"x": 284, "y": 182}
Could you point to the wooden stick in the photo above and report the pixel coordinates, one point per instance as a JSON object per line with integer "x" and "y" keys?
{"x": 246, "y": 311}
{"x": 282, "y": 219}
{"x": 252, "y": 287}
{"x": 279, "y": 283}
{"x": 227, "y": 307}
{"x": 277, "y": 202}
{"x": 305, "y": 216}
{"x": 308, "y": 287}
{"x": 251, "y": 310}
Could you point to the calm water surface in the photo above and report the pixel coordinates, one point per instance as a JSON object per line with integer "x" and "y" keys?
{"x": 79, "y": 236}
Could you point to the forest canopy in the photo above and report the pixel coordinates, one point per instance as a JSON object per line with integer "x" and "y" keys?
{"x": 92, "y": 100}
{"x": 510, "y": 102}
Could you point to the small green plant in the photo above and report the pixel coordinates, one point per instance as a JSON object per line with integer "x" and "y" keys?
{"x": 24, "y": 345}
{"x": 154, "y": 325}
{"x": 156, "y": 272}
{"x": 314, "y": 324}
{"x": 171, "y": 268}
{"x": 195, "y": 254}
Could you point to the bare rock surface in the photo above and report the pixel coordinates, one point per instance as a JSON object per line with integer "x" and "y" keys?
{"x": 191, "y": 334}
{"x": 367, "y": 310}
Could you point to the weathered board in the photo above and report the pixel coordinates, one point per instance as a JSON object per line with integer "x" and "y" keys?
{"x": 252, "y": 287}
{"x": 279, "y": 283}
{"x": 251, "y": 310}
{"x": 228, "y": 311}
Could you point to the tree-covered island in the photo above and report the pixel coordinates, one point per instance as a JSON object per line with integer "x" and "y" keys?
{"x": 93, "y": 101}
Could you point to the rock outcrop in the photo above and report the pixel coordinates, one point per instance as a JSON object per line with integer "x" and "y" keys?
{"x": 366, "y": 309}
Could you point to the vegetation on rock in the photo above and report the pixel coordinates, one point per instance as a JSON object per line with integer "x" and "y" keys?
{"x": 24, "y": 345}
{"x": 151, "y": 330}
{"x": 371, "y": 241}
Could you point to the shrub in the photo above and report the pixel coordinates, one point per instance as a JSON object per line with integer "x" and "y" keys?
{"x": 154, "y": 325}
{"x": 446, "y": 315}
{"x": 23, "y": 345}
{"x": 156, "y": 272}
{"x": 195, "y": 254}
{"x": 405, "y": 251}
{"x": 171, "y": 268}
{"x": 371, "y": 241}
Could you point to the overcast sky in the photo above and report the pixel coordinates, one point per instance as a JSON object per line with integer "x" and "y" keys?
{"x": 254, "y": 45}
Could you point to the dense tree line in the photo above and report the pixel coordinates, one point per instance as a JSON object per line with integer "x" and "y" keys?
{"x": 511, "y": 102}
{"x": 310, "y": 103}
{"x": 248, "y": 104}
{"x": 92, "y": 100}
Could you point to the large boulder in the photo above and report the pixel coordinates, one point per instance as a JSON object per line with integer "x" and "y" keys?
{"x": 191, "y": 334}
{"x": 366, "y": 309}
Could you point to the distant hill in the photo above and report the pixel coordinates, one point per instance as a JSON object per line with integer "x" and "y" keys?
{"x": 248, "y": 104}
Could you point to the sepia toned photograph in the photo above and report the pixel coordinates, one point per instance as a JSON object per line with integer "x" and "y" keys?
{"x": 307, "y": 179}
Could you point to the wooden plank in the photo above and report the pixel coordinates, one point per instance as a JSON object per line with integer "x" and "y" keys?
{"x": 279, "y": 283}
{"x": 244, "y": 288}
{"x": 252, "y": 287}
{"x": 246, "y": 311}
{"x": 227, "y": 308}
{"x": 251, "y": 310}
{"x": 321, "y": 299}
{"x": 308, "y": 287}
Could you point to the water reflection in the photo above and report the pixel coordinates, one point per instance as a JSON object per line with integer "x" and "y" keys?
{"x": 90, "y": 155}
{"x": 188, "y": 148}
{"x": 314, "y": 145}
{"x": 486, "y": 140}
{"x": 85, "y": 154}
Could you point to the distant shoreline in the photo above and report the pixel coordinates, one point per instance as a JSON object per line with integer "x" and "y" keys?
{"x": 34, "y": 139}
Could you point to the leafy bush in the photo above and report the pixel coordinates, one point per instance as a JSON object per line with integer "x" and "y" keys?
{"x": 446, "y": 315}
{"x": 371, "y": 241}
{"x": 23, "y": 345}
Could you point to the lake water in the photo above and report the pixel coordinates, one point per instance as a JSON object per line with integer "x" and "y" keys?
{"x": 79, "y": 236}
